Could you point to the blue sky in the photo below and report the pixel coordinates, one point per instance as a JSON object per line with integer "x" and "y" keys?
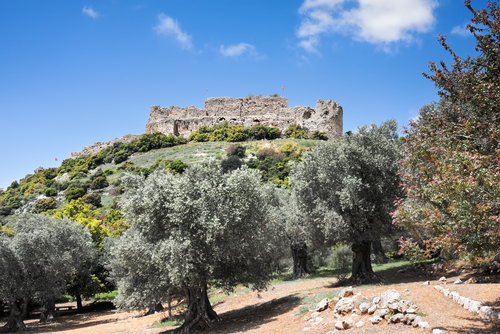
{"x": 76, "y": 72}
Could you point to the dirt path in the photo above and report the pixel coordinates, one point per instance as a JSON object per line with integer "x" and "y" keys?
{"x": 277, "y": 309}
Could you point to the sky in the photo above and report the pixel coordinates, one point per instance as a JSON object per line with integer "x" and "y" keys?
{"x": 76, "y": 72}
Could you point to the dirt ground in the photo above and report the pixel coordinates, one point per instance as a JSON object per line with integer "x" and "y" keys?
{"x": 277, "y": 311}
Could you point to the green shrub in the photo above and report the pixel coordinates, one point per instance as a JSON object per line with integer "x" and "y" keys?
{"x": 49, "y": 192}
{"x": 108, "y": 172}
{"x": 341, "y": 260}
{"x": 177, "y": 166}
{"x": 93, "y": 199}
{"x": 296, "y": 131}
{"x": 99, "y": 183}
{"x": 319, "y": 135}
{"x": 237, "y": 150}
{"x": 269, "y": 152}
{"x": 219, "y": 135}
{"x": 288, "y": 148}
{"x": 74, "y": 194}
{"x": 121, "y": 156}
{"x": 127, "y": 165}
{"x": 44, "y": 204}
{"x": 232, "y": 162}
{"x": 236, "y": 133}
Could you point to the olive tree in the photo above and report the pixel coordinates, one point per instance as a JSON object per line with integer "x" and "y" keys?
{"x": 202, "y": 227}
{"x": 37, "y": 260}
{"x": 345, "y": 191}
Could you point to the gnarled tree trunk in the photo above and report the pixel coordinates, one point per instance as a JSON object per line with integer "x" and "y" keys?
{"x": 157, "y": 308}
{"x": 79, "y": 305}
{"x": 378, "y": 250}
{"x": 361, "y": 264}
{"x": 48, "y": 311}
{"x": 15, "y": 321}
{"x": 199, "y": 314}
{"x": 299, "y": 253}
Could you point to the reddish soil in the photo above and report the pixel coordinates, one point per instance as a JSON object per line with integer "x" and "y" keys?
{"x": 276, "y": 310}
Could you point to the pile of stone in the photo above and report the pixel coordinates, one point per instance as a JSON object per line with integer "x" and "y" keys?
{"x": 473, "y": 306}
{"x": 389, "y": 306}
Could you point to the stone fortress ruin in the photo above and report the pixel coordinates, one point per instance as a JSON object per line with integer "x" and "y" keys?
{"x": 270, "y": 111}
{"x": 249, "y": 111}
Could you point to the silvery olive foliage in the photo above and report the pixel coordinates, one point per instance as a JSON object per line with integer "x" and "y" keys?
{"x": 40, "y": 256}
{"x": 346, "y": 189}
{"x": 189, "y": 230}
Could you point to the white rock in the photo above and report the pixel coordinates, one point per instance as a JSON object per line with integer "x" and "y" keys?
{"x": 346, "y": 292}
{"x": 322, "y": 305}
{"x": 461, "y": 301}
{"x": 345, "y": 305}
{"x": 485, "y": 312}
{"x": 318, "y": 319}
{"x": 409, "y": 318}
{"x": 455, "y": 296}
{"x": 376, "y": 300}
{"x": 446, "y": 292}
{"x": 458, "y": 281}
{"x": 426, "y": 283}
{"x": 424, "y": 325}
{"x": 314, "y": 314}
{"x": 466, "y": 303}
{"x": 348, "y": 324}
{"x": 442, "y": 279}
{"x": 360, "y": 324}
{"x": 375, "y": 320}
{"x": 397, "y": 318}
{"x": 436, "y": 331}
{"x": 372, "y": 309}
{"x": 381, "y": 312}
{"x": 438, "y": 287}
{"x": 412, "y": 310}
{"x": 475, "y": 306}
{"x": 363, "y": 307}
{"x": 417, "y": 320}
{"x": 339, "y": 324}
{"x": 390, "y": 296}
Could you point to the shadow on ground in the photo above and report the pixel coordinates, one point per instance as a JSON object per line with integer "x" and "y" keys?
{"x": 253, "y": 316}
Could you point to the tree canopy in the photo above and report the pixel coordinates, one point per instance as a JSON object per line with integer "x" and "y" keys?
{"x": 37, "y": 260}
{"x": 346, "y": 190}
{"x": 202, "y": 227}
{"x": 450, "y": 168}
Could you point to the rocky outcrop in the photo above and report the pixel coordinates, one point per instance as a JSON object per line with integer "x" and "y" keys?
{"x": 98, "y": 146}
{"x": 271, "y": 111}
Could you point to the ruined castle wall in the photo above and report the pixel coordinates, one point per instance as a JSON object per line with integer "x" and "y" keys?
{"x": 248, "y": 111}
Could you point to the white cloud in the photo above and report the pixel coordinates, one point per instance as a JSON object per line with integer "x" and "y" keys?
{"x": 90, "y": 12}
{"x": 461, "y": 30}
{"x": 237, "y": 50}
{"x": 169, "y": 26}
{"x": 374, "y": 21}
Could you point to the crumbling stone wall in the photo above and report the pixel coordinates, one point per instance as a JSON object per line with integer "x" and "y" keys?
{"x": 99, "y": 145}
{"x": 271, "y": 111}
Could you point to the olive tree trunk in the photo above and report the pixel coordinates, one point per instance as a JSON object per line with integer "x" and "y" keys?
{"x": 48, "y": 311}
{"x": 378, "y": 250}
{"x": 199, "y": 314}
{"x": 15, "y": 321}
{"x": 79, "y": 304}
{"x": 361, "y": 263}
{"x": 299, "y": 253}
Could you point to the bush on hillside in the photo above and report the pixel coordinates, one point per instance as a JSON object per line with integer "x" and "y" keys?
{"x": 99, "y": 183}
{"x": 49, "y": 192}
{"x": 296, "y": 131}
{"x": 74, "y": 194}
{"x": 232, "y": 162}
{"x": 93, "y": 199}
{"x": 237, "y": 150}
{"x": 177, "y": 166}
{"x": 319, "y": 135}
{"x": 44, "y": 204}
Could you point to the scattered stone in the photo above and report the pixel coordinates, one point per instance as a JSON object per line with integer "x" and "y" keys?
{"x": 461, "y": 301}
{"x": 436, "y": 331}
{"x": 406, "y": 291}
{"x": 417, "y": 320}
{"x": 318, "y": 319}
{"x": 424, "y": 325}
{"x": 372, "y": 309}
{"x": 475, "y": 306}
{"x": 442, "y": 279}
{"x": 398, "y": 317}
{"x": 360, "y": 324}
{"x": 376, "y": 300}
{"x": 485, "y": 312}
{"x": 322, "y": 305}
{"x": 363, "y": 307}
{"x": 339, "y": 324}
{"x": 333, "y": 302}
{"x": 346, "y": 292}
{"x": 348, "y": 323}
{"x": 455, "y": 296}
{"x": 394, "y": 307}
{"x": 381, "y": 312}
{"x": 471, "y": 280}
{"x": 388, "y": 297}
{"x": 409, "y": 318}
{"x": 426, "y": 283}
{"x": 314, "y": 315}
{"x": 375, "y": 320}
{"x": 39, "y": 170}
{"x": 345, "y": 305}
{"x": 458, "y": 281}
{"x": 466, "y": 303}
{"x": 495, "y": 318}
